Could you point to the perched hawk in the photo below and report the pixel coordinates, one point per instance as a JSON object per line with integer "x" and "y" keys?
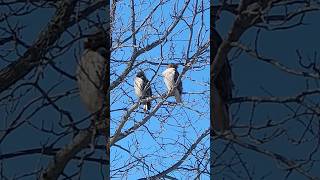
{"x": 90, "y": 72}
{"x": 140, "y": 83}
{"x": 170, "y": 77}
{"x": 93, "y": 81}
{"x": 222, "y": 88}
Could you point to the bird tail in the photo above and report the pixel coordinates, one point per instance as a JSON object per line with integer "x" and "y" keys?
{"x": 221, "y": 114}
{"x": 147, "y": 106}
{"x": 178, "y": 97}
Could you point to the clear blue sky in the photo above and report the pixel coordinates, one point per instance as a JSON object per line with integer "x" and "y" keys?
{"x": 196, "y": 80}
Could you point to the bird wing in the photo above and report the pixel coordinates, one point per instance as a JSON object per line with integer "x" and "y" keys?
{"x": 179, "y": 86}
{"x": 148, "y": 90}
{"x": 148, "y": 93}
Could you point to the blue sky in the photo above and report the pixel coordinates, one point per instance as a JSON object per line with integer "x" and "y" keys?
{"x": 170, "y": 124}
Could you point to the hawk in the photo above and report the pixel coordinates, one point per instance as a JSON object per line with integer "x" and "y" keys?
{"x": 93, "y": 81}
{"x": 222, "y": 88}
{"x": 90, "y": 72}
{"x": 140, "y": 83}
{"x": 170, "y": 77}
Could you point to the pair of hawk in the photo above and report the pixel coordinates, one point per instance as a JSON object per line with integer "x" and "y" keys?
{"x": 90, "y": 78}
{"x": 143, "y": 90}
{"x": 90, "y": 75}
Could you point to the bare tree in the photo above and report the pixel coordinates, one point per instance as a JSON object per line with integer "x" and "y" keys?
{"x": 171, "y": 140}
{"x": 275, "y": 105}
{"x": 46, "y": 133}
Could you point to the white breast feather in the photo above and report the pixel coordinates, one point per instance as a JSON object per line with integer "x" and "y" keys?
{"x": 138, "y": 86}
{"x": 89, "y": 75}
{"x": 169, "y": 78}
